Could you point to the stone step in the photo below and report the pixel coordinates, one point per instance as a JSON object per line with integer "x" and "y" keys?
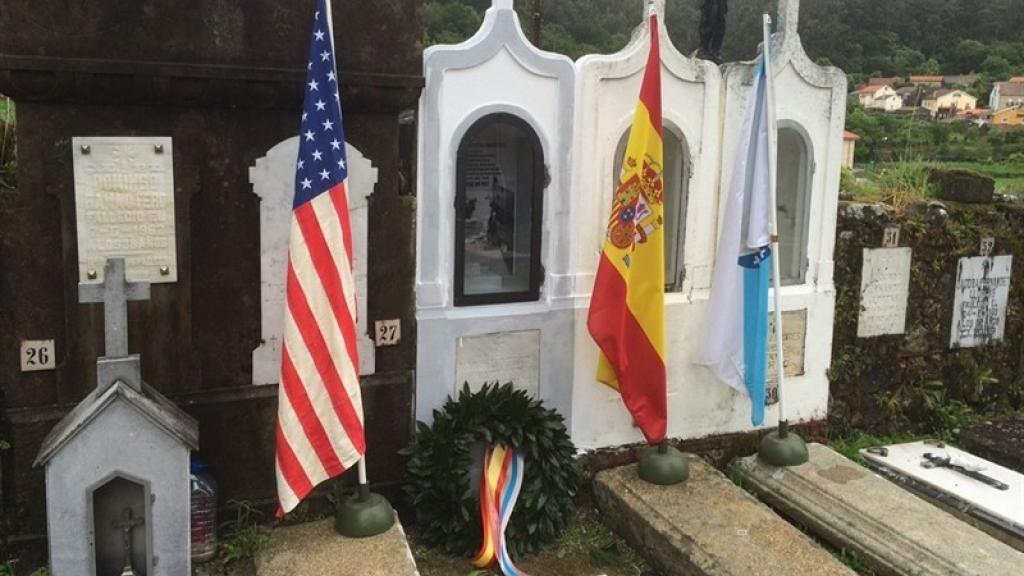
{"x": 707, "y": 525}
{"x": 316, "y": 549}
{"x": 890, "y": 529}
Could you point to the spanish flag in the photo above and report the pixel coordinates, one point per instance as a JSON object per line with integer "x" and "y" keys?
{"x": 627, "y": 308}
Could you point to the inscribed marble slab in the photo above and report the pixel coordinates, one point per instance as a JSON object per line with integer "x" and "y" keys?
{"x": 979, "y": 305}
{"x": 794, "y": 338}
{"x": 884, "y": 288}
{"x": 501, "y": 357}
{"x": 124, "y": 206}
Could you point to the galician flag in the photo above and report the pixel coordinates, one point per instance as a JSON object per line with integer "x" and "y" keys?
{"x": 627, "y": 311}
{"x": 736, "y": 337}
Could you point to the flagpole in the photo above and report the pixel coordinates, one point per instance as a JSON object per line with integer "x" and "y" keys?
{"x": 366, "y": 514}
{"x": 780, "y": 448}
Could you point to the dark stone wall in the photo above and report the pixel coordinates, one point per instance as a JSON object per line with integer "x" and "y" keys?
{"x": 914, "y": 381}
{"x": 223, "y": 79}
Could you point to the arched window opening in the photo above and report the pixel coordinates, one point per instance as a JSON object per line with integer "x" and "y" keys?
{"x": 792, "y": 203}
{"x": 676, "y": 179}
{"x": 498, "y": 212}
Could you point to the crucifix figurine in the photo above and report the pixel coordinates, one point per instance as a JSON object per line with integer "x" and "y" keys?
{"x": 126, "y": 525}
{"x": 115, "y": 293}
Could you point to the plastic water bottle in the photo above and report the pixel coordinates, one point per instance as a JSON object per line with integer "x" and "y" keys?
{"x": 204, "y": 512}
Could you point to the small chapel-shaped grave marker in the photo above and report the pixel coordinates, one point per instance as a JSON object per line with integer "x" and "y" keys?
{"x": 125, "y": 510}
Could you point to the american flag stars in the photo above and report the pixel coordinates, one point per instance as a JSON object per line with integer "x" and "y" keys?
{"x": 321, "y": 160}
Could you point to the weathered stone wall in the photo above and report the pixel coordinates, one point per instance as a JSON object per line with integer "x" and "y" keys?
{"x": 224, "y": 79}
{"x": 914, "y": 380}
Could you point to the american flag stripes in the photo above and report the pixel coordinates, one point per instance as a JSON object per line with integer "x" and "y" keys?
{"x": 320, "y": 413}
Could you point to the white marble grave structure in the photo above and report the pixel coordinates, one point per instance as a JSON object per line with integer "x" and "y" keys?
{"x": 117, "y": 466}
{"x": 485, "y": 97}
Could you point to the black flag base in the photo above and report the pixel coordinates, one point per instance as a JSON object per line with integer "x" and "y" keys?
{"x": 783, "y": 448}
{"x": 663, "y": 465}
{"x": 364, "y": 514}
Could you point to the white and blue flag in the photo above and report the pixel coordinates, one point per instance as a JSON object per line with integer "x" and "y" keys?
{"x": 735, "y": 346}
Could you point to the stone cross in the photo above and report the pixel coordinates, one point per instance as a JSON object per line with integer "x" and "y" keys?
{"x": 115, "y": 293}
{"x": 126, "y": 525}
{"x": 789, "y": 17}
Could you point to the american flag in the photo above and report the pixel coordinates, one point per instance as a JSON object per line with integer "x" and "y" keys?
{"x": 320, "y": 412}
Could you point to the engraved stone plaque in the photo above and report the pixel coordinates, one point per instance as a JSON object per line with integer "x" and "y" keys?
{"x": 979, "y": 305}
{"x": 794, "y": 338}
{"x": 884, "y": 287}
{"x": 124, "y": 207}
{"x": 502, "y": 357}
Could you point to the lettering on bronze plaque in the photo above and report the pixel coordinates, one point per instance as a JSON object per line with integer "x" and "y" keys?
{"x": 124, "y": 207}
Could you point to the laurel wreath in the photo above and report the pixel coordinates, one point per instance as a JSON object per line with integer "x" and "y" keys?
{"x": 440, "y": 456}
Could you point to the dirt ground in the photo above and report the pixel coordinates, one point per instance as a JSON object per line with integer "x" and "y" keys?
{"x": 587, "y": 548}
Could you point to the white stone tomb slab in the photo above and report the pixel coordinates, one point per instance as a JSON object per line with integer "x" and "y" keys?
{"x": 500, "y": 357}
{"x": 884, "y": 288}
{"x": 124, "y": 207}
{"x": 1002, "y": 508}
{"x": 273, "y": 180}
{"x": 979, "y": 306}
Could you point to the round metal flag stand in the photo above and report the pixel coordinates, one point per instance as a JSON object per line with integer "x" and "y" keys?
{"x": 782, "y": 447}
{"x": 364, "y": 514}
{"x": 663, "y": 465}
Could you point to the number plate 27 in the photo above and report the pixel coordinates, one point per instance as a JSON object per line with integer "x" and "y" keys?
{"x": 387, "y": 332}
{"x": 37, "y": 355}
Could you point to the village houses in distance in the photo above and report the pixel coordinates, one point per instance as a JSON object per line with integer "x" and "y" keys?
{"x": 946, "y": 99}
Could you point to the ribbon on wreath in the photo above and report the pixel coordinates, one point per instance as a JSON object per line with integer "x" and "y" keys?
{"x": 500, "y": 483}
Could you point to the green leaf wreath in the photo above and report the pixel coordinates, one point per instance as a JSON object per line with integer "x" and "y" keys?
{"x": 438, "y": 482}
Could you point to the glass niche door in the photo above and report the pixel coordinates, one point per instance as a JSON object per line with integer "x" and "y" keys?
{"x": 498, "y": 220}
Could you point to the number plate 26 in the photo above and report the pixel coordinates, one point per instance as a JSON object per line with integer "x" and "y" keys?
{"x": 37, "y": 355}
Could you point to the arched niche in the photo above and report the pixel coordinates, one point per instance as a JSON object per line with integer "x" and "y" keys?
{"x": 273, "y": 180}
{"x": 793, "y": 200}
{"x": 499, "y": 214}
{"x": 676, "y": 177}
{"x": 119, "y": 501}
{"x": 607, "y": 88}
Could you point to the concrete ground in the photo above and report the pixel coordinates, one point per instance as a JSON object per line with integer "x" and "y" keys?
{"x": 315, "y": 549}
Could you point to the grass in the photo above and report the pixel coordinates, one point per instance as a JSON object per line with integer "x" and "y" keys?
{"x": 898, "y": 182}
{"x": 586, "y": 548}
{"x": 243, "y": 536}
{"x": 850, "y": 446}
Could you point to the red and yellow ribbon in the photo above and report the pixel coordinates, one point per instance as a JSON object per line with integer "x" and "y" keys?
{"x": 500, "y": 484}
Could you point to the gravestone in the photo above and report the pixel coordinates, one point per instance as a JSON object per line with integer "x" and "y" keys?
{"x": 989, "y": 495}
{"x": 979, "y": 304}
{"x": 272, "y": 180}
{"x": 884, "y": 288}
{"x": 500, "y": 357}
{"x": 124, "y": 205}
{"x": 794, "y": 345}
{"x": 117, "y": 466}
